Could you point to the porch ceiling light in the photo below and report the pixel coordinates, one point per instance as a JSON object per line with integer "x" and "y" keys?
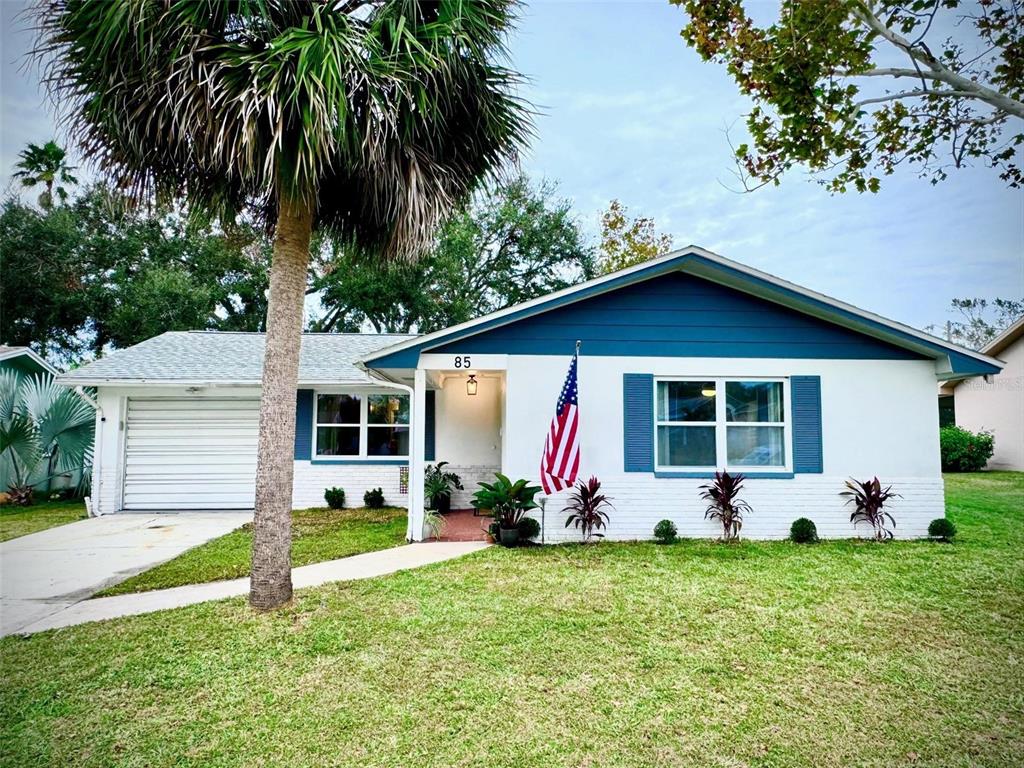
{"x": 471, "y": 384}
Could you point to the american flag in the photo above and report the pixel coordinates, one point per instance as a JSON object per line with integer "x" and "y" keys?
{"x": 561, "y": 459}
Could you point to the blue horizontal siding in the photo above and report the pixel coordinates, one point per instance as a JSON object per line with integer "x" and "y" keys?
{"x": 678, "y": 315}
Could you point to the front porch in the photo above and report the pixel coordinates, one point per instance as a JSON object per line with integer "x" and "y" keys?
{"x": 464, "y": 525}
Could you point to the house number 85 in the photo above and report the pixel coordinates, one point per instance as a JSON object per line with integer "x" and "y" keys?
{"x": 462, "y": 361}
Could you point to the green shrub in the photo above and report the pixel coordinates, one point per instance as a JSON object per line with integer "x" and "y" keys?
{"x": 529, "y": 528}
{"x": 803, "y": 531}
{"x": 665, "y": 532}
{"x": 942, "y": 529}
{"x": 335, "y": 498}
{"x": 374, "y": 499}
{"x": 963, "y": 450}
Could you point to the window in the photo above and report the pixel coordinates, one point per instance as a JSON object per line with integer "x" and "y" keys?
{"x": 697, "y": 428}
{"x": 362, "y": 426}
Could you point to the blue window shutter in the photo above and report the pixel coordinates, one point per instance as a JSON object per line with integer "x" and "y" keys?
{"x": 304, "y": 424}
{"x": 428, "y": 424}
{"x": 638, "y": 422}
{"x": 806, "y": 395}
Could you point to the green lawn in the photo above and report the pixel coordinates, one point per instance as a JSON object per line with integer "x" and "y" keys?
{"x": 696, "y": 654}
{"x": 19, "y": 521}
{"x": 317, "y": 535}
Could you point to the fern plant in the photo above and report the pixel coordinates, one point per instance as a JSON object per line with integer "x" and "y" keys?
{"x": 724, "y": 504}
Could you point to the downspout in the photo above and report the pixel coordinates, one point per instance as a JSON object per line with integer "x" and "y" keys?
{"x": 97, "y": 452}
{"x": 412, "y": 404}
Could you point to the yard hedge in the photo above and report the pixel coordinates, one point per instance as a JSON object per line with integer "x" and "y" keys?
{"x": 963, "y": 450}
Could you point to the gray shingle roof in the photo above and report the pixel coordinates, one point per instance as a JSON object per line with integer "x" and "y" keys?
{"x": 212, "y": 356}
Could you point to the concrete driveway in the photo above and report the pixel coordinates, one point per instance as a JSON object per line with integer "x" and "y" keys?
{"x": 46, "y": 572}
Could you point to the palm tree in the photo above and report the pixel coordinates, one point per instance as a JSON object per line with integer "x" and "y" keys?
{"x": 364, "y": 119}
{"x": 45, "y": 430}
{"x": 45, "y": 165}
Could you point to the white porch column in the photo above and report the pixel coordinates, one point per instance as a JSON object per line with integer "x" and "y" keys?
{"x": 419, "y": 452}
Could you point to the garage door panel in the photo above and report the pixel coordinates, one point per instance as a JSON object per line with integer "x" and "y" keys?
{"x": 190, "y": 454}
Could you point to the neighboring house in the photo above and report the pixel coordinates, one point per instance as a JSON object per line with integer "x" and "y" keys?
{"x": 996, "y": 403}
{"x": 688, "y": 363}
{"x": 24, "y": 361}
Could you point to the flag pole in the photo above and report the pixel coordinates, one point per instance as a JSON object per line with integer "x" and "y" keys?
{"x": 578, "y": 342}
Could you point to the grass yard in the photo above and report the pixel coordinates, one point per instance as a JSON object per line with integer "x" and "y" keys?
{"x": 696, "y": 654}
{"x": 317, "y": 535}
{"x": 20, "y": 521}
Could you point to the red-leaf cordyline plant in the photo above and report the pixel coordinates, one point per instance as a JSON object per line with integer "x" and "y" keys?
{"x": 724, "y": 504}
{"x": 587, "y": 508}
{"x": 869, "y": 498}
{"x": 366, "y": 120}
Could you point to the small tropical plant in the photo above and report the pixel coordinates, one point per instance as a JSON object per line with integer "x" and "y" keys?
{"x": 869, "y": 498}
{"x": 803, "y": 531}
{"x": 508, "y": 502}
{"x": 942, "y": 528}
{"x": 374, "y": 498}
{"x": 965, "y": 451}
{"x": 665, "y": 532}
{"x": 438, "y": 486}
{"x": 529, "y": 528}
{"x": 587, "y": 508}
{"x": 724, "y": 503}
{"x": 45, "y": 431}
{"x": 335, "y": 498}
{"x": 434, "y": 522}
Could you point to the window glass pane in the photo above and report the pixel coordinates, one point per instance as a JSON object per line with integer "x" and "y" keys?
{"x": 337, "y": 409}
{"x": 387, "y": 409}
{"x": 337, "y": 441}
{"x": 756, "y": 446}
{"x": 753, "y": 401}
{"x": 686, "y": 401}
{"x": 387, "y": 441}
{"x": 686, "y": 446}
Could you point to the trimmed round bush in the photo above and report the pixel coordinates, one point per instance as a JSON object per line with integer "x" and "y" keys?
{"x": 665, "y": 532}
{"x": 941, "y": 528}
{"x": 374, "y": 498}
{"x": 803, "y": 531}
{"x": 335, "y": 498}
{"x": 528, "y": 529}
{"x": 963, "y": 450}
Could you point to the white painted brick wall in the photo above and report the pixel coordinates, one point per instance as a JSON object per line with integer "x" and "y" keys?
{"x": 641, "y": 501}
{"x": 471, "y": 476}
{"x": 312, "y": 479}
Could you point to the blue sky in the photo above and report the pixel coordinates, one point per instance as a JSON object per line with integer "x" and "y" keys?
{"x": 630, "y": 112}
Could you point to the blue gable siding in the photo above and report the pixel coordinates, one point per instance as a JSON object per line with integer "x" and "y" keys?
{"x": 677, "y": 315}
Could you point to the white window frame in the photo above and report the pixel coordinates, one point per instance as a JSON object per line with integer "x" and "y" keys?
{"x": 721, "y": 426}
{"x": 364, "y": 426}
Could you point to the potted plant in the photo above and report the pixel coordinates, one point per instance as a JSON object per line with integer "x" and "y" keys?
{"x": 438, "y": 486}
{"x": 508, "y": 503}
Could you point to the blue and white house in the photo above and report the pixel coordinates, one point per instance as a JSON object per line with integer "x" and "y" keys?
{"x": 688, "y": 363}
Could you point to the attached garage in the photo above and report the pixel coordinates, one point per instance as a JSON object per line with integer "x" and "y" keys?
{"x": 190, "y": 453}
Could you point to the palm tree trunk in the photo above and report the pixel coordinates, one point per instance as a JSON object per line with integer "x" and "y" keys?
{"x": 271, "y": 582}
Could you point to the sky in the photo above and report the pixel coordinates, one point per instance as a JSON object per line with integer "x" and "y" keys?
{"x": 628, "y": 111}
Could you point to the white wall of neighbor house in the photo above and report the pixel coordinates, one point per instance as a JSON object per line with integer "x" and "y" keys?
{"x": 997, "y": 405}
{"x": 878, "y": 418}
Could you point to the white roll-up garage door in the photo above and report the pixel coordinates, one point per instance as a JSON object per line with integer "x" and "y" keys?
{"x": 190, "y": 454}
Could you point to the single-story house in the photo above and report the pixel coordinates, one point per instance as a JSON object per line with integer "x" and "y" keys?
{"x": 688, "y": 363}
{"x": 24, "y": 361}
{"x": 996, "y": 403}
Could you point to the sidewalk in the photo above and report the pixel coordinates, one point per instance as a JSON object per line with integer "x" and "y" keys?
{"x": 363, "y": 566}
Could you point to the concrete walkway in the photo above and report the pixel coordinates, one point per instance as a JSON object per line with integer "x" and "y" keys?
{"x": 46, "y": 572}
{"x": 363, "y": 566}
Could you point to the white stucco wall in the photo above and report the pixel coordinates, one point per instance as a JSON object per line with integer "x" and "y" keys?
{"x": 878, "y": 417}
{"x": 310, "y": 479}
{"x": 997, "y": 406}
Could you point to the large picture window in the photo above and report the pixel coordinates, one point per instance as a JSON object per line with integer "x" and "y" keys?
{"x": 362, "y": 425}
{"x": 704, "y": 424}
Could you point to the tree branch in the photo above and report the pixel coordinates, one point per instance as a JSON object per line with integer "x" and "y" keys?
{"x": 912, "y": 94}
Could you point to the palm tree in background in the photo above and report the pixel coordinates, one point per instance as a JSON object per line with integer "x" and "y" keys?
{"x": 46, "y": 165}
{"x": 365, "y": 120}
